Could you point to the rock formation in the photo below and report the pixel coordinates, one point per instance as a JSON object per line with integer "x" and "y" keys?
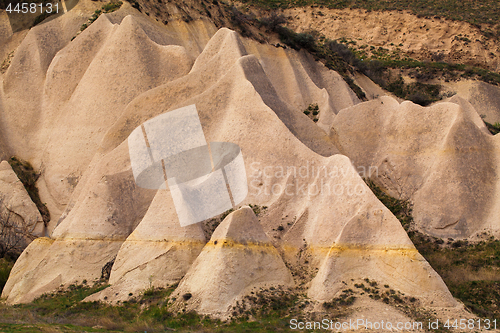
{"x": 321, "y": 218}
{"x": 238, "y": 258}
{"x": 441, "y": 157}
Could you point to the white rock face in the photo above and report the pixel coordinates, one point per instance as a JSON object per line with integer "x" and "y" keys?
{"x": 157, "y": 254}
{"x": 238, "y": 258}
{"x": 403, "y": 269}
{"x": 440, "y": 157}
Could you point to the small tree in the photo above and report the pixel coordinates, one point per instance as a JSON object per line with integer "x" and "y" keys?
{"x": 15, "y": 234}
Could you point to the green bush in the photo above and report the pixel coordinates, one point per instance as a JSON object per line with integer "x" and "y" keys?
{"x": 271, "y": 307}
{"x": 493, "y": 128}
{"x": 312, "y": 111}
{"x": 297, "y": 41}
{"x": 112, "y": 6}
{"x": 273, "y": 21}
{"x": 5, "y": 268}
{"x": 306, "y": 41}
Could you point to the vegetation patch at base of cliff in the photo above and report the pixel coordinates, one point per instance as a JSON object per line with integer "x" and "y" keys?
{"x": 146, "y": 312}
{"x": 265, "y": 310}
{"x": 6, "y": 265}
{"x": 470, "y": 270}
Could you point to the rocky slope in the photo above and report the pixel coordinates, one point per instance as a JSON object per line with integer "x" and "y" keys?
{"x": 403, "y": 33}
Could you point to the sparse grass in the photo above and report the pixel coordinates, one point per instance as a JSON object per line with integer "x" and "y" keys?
{"x": 426, "y": 70}
{"x": 482, "y": 297}
{"x": 344, "y": 57}
{"x": 379, "y": 64}
{"x": 474, "y": 12}
{"x": 62, "y": 311}
{"x": 274, "y": 301}
{"x": 112, "y": 6}
{"x": 66, "y": 303}
{"x": 211, "y": 224}
{"x": 409, "y": 305}
{"x": 377, "y": 68}
{"x": 471, "y": 271}
{"x": 47, "y": 328}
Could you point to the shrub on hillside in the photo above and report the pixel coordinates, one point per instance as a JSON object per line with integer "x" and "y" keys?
{"x": 297, "y": 41}
{"x": 272, "y": 21}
